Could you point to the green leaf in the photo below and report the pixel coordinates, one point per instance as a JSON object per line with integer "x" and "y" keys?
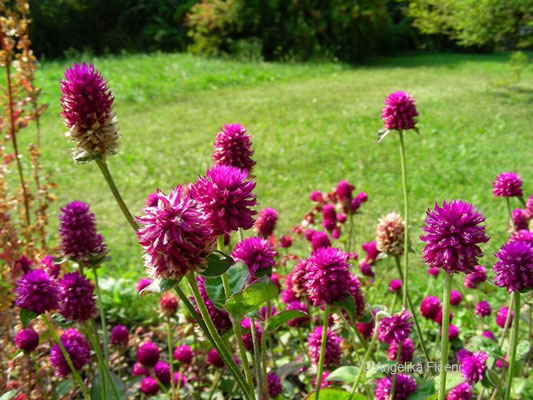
{"x": 348, "y": 305}
{"x": 291, "y": 368}
{"x": 487, "y": 345}
{"x": 522, "y": 350}
{"x": 251, "y": 298}
{"x": 26, "y": 316}
{"x": 97, "y": 390}
{"x": 263, "y": 272}
{"x": 335, "y": 394}
{"x": 423, "y": 391}
{"x": 279, "y": 319}
{"x": 64, "y": 387}
{"x": 61, "y": 321}
{"x": 238, "y": 276}
{"x": 346, "y": 374}
{"x": 95, "y": 260}
{"x": 217, "y": 264}
{"x": 453, "y": 379}
{"x": 159, "y": 285}
{"x": 9, "y": 395}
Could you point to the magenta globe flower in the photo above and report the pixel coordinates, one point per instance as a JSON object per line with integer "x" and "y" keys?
{"x": 474, "y": 366}
{"x": 405, "y": 387}
{"x": 523, "y": 235}
{"x": 455, "y": 298}
{"x": 520, "y": 219}
{"x": 507, "y": 184}
{"x": 162, "y": 372}
{"x": 139, "y": 370}
{"x": 37, "y": 292}
{"x": 180, "y": 379}
{"x": 266, "y": 222}
{"x": 438, "y": 317}
{"x": 433, "y": 271}
{"x": 77, "y": 294}
{"x": 488, "y": 335}
{"x": 77, "y": 349}
{"x": 332, "y": 353}
{"x": 399, "y": 112}
{"x": 233, "y": 147}
{"x": 285, "y": 241}
{"x": 175, "y": 235}
{"x": 395, "y": 285}
{"x": 256, "y": 253}
{"x": 514, "y": 268}
{"x": 225, "y": 195}
{"x": 274, "y": 385}
{"x": 87, "y": 112}
{"x": 27, "y": 340}
{"x": 483, "y": 309}
{"x": 119, "y": 335}
{"x": 372, "y": 252}
{"x": 148, "y": 354}
{"x": 77, "y": 228}
{"x": 395, "y": 328}
{"x": 430, "y": 306}
{"x": 214, "y": 359}
{"x": 183, "y": 354}
{"x": 168, "y": 303}
{"x": 319, "y": 240}
{"x": 408, "y": 348}
{"x": 344, "y": 192}
{"x": 53, "y": 268}
{"x": 142, "y": 283}
{"x": 149, "y": 386}
{"x": 501, "y": 317}
{"x": 453, "y": 233}
{"x": 463, "y": 391}
{"x": 478, "y": 276}
{"x": 453, "y": 332}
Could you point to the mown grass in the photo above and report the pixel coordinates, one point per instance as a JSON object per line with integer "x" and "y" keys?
{"x": 312, "y": 125}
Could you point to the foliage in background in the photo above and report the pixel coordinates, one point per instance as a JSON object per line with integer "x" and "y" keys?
{"x": 478, "y": 23}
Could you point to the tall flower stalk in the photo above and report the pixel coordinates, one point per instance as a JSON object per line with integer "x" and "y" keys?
{"x": 322, "y": 351}
{"x": 444, "y": 347}
{"x": 513, "y": 345}
{"x": 406, "y": 214}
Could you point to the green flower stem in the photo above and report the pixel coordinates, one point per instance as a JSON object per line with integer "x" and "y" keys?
{"x": 406, "y": 215}
{"x": 365, "y": 359}
{"x": 109, "y": 179}
{"x": 514, "y": 342}
{"x": 507, "y": 319}
{"x": 395, "y": 377}
{"x": 263, "y": 348}
{"x": 102, "y": 315}
{"x": 351, "y": 333}
{"x": 171, "y": 360}
{"x": 214, "y": 385}
{"x": 257, "y": 361}
{"x": 413, "y": 313}
{"x": 322, "y": 351}
{"x": 235, "y": 323}
{"x": 217, "y": 340}
{"x": 508, "y": 201}
{"x": 39, "y": 378}
{"x": 445, "y": 328}
{"x": 75, "y": 373}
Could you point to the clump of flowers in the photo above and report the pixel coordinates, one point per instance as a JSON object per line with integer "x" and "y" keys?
{"x": 88, "y": 113}
{"x": 183, "y": 354}
{"x": 256, "y": 253}
{"x": 390, "y": 234}
{"x": 220, "y": 318}
{"x": 408, "y": 348}
{"x": 247, "y": 338}
{"x": 483, "y": 309}
{"x": 233, "y": 147}
{"x": 168, "y": 302}
{"x": 175, "y": 235}
{"x": 37, "y": 292}
{"x": 148, "y": 354}
{"x": 332, "y": 351}
{"x": 514, "y": 268}
{"x": 463, "y": 391}
{"x": 77, "y": 349}
{"x": 395, "y": 328}
{"x": 507, "y": 184}
{"x": 399, "y": 112}
{"x": 78, "y": 303}
{"x": 501, "y": 317}
{"x": 274, "y": 385}
{"x": 405, "y": 386}
{"x": 266, "y": 222}
{"x": 395, "y": 285}
{"x": 479, "y": 275}
{"x": 474, "y": 366}
{"x": 430, "y": 306}
{"x": 119, "y": 335}
{"x": 27, "y": 340}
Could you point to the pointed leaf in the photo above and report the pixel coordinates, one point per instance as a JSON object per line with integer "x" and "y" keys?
{"x": 63, "y": 387}
{"x": 9, "y": 395}
{"x": 346, "y": 374}
{"x": 26, "y": 316}
{"x": 217, "y": 264}
{"x": 251, "y": 298}
{"x": 283, "y": 317}
{"x": 238, "y": 276}
{"x": 160, "y": 285}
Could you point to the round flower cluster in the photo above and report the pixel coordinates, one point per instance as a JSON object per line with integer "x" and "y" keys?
{"x": 256, "y": 253}
{"x": 408, "y": 348}
{"x": 77, "y": 349}
{"x": 430, "y": 306}
{"x": 78, "y": 302}
{"x": 463, "y": 391}
{"x": 514, "y": 268}
{"x": 479, "y": 275}
{"x": 27, "y": 340}
{"x": 395, "y": 328}
{"x": 501, "y": 317}
{"x": 247, "y": 338}
{"x": 220, "y": 318}
{"x": 233, "y": 147}
{"x": 332, "y": 352}
{"x": 507, "y": 184}
{"x": 148, "y": 354}
{"x": 266, "y": 222}
{"x": 119, "y": 335}
{"x": 483, "y": 309}
{"x": 168, "y": 302}
{"x": 390, "y": 234}
{"x": 405, "y": 386}
{"x": 474, "y": 366}
{"x": 183, "y": 354}
{"x": 37, "y": 292}
{"x": 399, "y": 111}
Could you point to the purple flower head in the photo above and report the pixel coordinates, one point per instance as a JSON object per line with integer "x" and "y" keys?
{"x": 453, "y": 233}
{"x": 143, "y": 282}
{"x": 438, "y": 317}
{"x": 405, "y": 386}
{"x": 119, "y": 335}
{"x": 483, "y": 309}
{"x": 429, "y": 307}
{"x": 162, "y": 372}
{"x": 274, "y": 385}
{"x": 324, "y": 383}
{"x": 327, "y": 276}
{"x": 139, "y": 370}
{"x": 396, "y": 328}
{"x": 77, "y": 228}
{"x": 87, "y": 112}
{"x": 371, "y": 250}
{"x": 474, "y": 366}
{"x": 309, "y": 234}
{"x": 36, "y": 292}
{"x": 266, "y": 222}
{"x": 247, "y": 338}
{"x": 256, "y": 253}
{"x": 501, "y": 317}
{"x": 175, "y": 235}
{"x": 366, "y": 328}
{"x": 233, "y": 147}
{"x": 399, "y": 111}
{"x": 354, "y": 205}
{"x": 329, "y": 216}
{"x": 298, "y": 306}
{"x": 168, "y": 303}
{"x": 523, "y": 235}
{"x": 408, "y": 348}
{"x": 462, "y": 354}
{"x": 219, "y": 317}
{"x": 48, "y": 264}
{"x": 514, "y": 268}
{"x": 463, "y": 391}
{"x": 288, "y": 296}
{"x": 77, "y": 294}
{"x": 23, "y": 264}
{"x": 285, "y": 241}
{"x": 148, "y": 354}
{"x": 316, "y": 196}
{"x": 488, "y": 335}
{"x": 507, "y": 184}
{"x": 529, "y": 204}
{"x": 455, "y": 298}
{"x": 319, "y": 240}
{"x": 344, "y": 191}
{"x": 180, "y": 378}
{"x": 520, "y": 219}
{"x": 151, "y": 200}
{"x": 214, "y": 359}
{"x": 362, "y": 197}
{"x": 501, "y": 363}
{"x": 395, "y": 285}
{"x": 27, "y": 340}
{"x": 434, "y": 271}
{"x": 366, "y": 269}
{"x": 332, "y": 353}
{"x": 475, "y": 278}
{"x": 77, "y": 349}
{"x": 183, "y": 354}
{"x": 453, "y": 332}
{"x": 149, "y": 386}
{"x": 225, "y": 195}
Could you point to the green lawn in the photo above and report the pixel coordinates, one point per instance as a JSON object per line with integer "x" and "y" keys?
{"x": 312, "y": 125}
